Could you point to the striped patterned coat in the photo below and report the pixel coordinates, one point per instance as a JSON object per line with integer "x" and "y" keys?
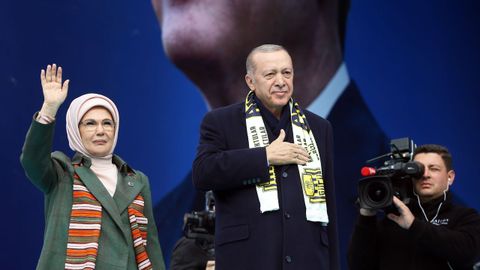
{"x": 53, "y": 174}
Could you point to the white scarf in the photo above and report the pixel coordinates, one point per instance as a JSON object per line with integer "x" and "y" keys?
{"x": 310, "y": 174}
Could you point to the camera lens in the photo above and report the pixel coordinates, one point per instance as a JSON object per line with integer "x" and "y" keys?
{"x": 376, "y": 192}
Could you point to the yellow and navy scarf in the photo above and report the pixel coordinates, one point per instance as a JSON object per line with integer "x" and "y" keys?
{"x": 86, "y": 225}
{"x": 310, "y": 174}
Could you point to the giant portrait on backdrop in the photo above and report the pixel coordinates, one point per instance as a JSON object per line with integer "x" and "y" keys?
{"x": 377, "y": 71}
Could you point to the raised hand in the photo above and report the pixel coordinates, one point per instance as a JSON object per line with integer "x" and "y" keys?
{"x": 281, "y": 153}
{"x": 54, "y": 91}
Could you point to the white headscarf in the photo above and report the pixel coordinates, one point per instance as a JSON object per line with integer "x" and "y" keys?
{"x": 77, "y": 109}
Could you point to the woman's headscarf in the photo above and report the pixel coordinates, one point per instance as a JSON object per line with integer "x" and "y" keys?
{"x": 77, "y": 109}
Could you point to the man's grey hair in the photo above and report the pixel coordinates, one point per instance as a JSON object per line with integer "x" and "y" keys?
{"x": 265, "y": 48}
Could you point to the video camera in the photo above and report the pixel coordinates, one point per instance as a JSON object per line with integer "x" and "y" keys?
{"x": 394, "y": 178}
{"x": 201, "y": 225}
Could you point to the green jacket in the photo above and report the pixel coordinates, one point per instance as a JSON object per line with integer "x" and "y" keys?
{"x": 53, "y": 173}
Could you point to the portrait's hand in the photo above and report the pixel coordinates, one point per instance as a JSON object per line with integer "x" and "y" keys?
{"x": 405, "y": 219}
{"x": 54, "y": 91}
{"x": 282, "y": 153}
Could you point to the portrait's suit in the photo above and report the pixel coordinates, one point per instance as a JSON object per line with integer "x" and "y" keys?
{"x": 244, "y": 237}
{"x": 52, "y": 173}
{"x": 357, "y": 137}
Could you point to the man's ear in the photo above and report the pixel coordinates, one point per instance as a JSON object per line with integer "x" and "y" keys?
{"x": 451, "y": 177}
{"x": 249, "y": 81}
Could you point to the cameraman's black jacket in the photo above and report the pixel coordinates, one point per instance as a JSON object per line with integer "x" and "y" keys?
{"x": 453, "y": 237}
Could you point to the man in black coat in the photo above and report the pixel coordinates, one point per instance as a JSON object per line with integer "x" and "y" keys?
{"x": 270, "y": 166}
{"x": 209, "y": 41}
{"x": 429, "y": 232}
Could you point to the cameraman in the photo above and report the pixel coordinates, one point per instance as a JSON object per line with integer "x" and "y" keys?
{"x": 195, "y": 250}
{"x": 188, "y": 254}
{"x": 430, "y": 232}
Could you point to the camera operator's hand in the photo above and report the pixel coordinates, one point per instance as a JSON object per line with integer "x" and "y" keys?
{"x": 368, "y": 212}
{"x": 405, "y": 219}
{"x": 210, "y": 265}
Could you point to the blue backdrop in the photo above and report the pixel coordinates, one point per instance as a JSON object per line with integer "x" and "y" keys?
{"x": 416, "y": 63}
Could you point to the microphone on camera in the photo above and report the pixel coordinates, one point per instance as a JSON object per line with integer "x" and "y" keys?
{"x": 414, "y": 169}
{"x": 368, "y": 171}
{"x": 411, "y": 168}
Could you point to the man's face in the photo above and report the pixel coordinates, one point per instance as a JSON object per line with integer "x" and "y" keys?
{"x": 208, "y": 40}
{"x": 272, "y": 79}
{"x": 208, "y": 29}
{"x": 435, "y": 180}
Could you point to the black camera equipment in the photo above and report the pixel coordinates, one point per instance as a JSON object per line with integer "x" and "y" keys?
{"x": 201, "y": 225}
{"x": 394, "y": 178}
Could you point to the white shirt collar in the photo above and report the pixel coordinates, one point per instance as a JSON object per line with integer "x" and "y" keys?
{"x": 323, "y": 104}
